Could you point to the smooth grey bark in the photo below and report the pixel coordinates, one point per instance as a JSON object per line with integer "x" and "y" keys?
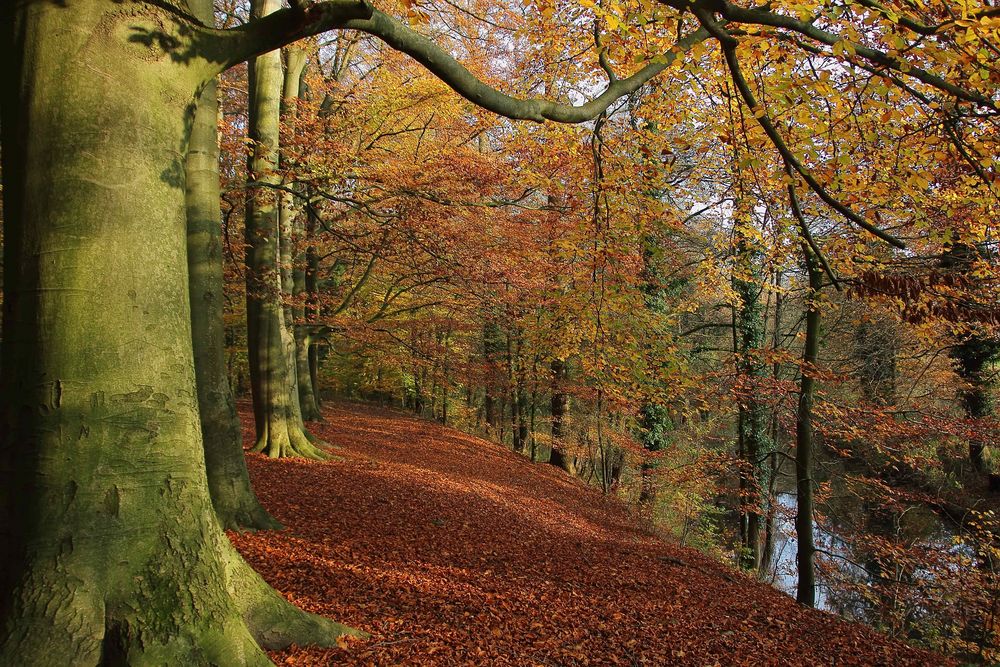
{"x": 289, "y": 226}
{"x": 277, "y": 418}
{"x": 228, "y": 482}
{"x": 804, "y": 444}
{"x": 293, "y": 268}
{"x": 110, "y": 551}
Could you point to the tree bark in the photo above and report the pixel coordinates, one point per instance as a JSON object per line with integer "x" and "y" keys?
{"x": 110, "y": 551}
{"x": 311, "y": 283}
{"x": 277, "y": 418}
{"x": 972, "y": 356}
{"x": 806, "y": 553}
{"x": 228, "y": 482}
{"x": 491, "y": 349}
{"x": 560, "y": 409}
{"x": 297, "y": 339}
{"x": 752, "y": 423}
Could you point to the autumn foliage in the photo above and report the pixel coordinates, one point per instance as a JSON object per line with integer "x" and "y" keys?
{"x": 450, "y": 549}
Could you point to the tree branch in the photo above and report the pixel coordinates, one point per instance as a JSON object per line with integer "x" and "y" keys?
{"x": 305, "y": 18}
{"x": 761, "y": 16}
{"x": 729, "y": 44}
{"x": 459, "y": 79}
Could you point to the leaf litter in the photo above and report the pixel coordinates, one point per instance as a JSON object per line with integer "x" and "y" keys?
{"x": 452, "y": 550}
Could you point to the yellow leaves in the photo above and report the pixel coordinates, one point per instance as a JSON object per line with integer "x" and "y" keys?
{"x": 844, "y": 48}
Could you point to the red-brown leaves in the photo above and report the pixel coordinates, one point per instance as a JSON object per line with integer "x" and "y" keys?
{"x": 451, "y": 550}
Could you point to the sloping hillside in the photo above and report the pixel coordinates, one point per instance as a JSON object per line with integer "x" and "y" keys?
{"x": 451, "y": 550}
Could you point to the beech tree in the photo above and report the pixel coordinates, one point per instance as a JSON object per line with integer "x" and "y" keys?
{"x": 277, "y": 415}
{"x": 228, "y": 482}
{"x": 112, "y": 552}
{"x": 111, "y": 549}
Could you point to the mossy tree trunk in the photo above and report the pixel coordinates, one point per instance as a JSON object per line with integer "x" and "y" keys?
{"x": 232, "y": 496}
{"x": 277, "y": 417}
{"x": 110, "y": 551}
{"x": 752, "y": 419}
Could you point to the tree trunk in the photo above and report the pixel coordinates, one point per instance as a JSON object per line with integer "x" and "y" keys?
{"x": 232, "y": 496}
{"x": 110, "y": 550}
{"x": 520, "y": 424}
{"x": 491, "y": 403}
{"x": 277, "y": 418}
{"x": 972, "y": 356}
{"x": 560, "y": 408}
{"x": 752, "y": 423}
{"x": 876, "y": 346}
{"x": 292, "y": 271}
{"x": 304, "y": 346}
{"x": 312, "y": 312}
{"x": 806, "y": 553}
{"x": 655, "y": 426}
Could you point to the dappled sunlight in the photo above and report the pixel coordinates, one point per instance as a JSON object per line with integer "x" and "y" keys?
{"x": 450, "y": 549}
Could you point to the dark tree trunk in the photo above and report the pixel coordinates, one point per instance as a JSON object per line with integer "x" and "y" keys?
{"x": 805, "y": 556}
{"x": 752, "y": 422}
{"x": 972, "y": 357}
{"x": 492, "y": 346}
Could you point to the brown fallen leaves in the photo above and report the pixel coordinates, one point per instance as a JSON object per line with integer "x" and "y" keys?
{"x": 451, "y": 550}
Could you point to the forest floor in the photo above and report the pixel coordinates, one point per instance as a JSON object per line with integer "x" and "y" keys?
{"x": 452, "y": 550}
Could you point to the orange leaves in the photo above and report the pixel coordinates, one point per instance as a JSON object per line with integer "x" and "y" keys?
{"x": 451, "y": 550}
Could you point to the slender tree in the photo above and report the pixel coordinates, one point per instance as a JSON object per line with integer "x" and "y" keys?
{"x": 806, "y": 552}
{"x": 754, "y": 445}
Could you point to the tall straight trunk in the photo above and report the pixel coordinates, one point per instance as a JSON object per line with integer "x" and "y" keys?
{"x": 311, "y": 281}
{"x": 560, "y": 410}
{"x": 272, "y": 371}
{"x": 534, "y": 408}
{"x": 519, "y": 422}
{"x": 232, "y": 496}
{"x": 110, "y": 550}
{"x": 805, "y": 556}
{"x": 295, "y": 334}
{"x": 767, "y": 555}
{"x": 752, "y": 420}
{"x": 492, "y": 405}
{"x": 304, "y": 346}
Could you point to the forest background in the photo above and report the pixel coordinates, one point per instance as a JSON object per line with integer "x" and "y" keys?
{"x": 755, "y": 296}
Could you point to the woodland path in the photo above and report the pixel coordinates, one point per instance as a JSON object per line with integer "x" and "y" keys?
{"x": 452, "y": 550}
